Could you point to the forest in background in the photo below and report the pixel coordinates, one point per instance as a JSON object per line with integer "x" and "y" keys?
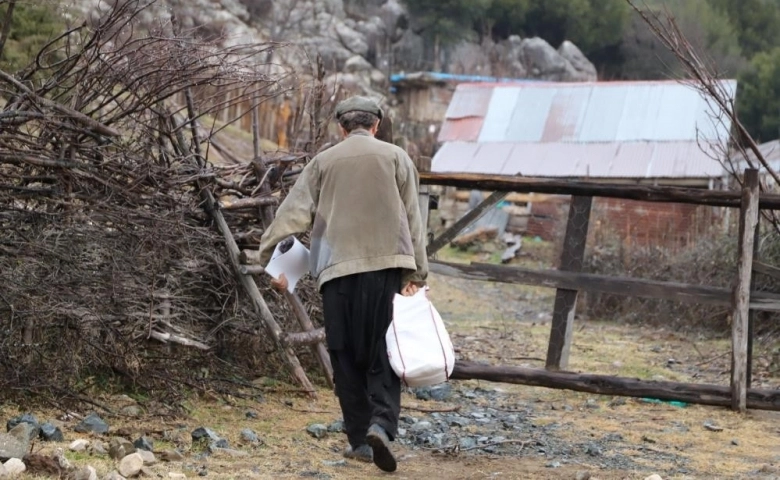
{"x": 740, "y": 37}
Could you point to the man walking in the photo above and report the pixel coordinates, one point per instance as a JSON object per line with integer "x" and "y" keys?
{"x": 367, "y": 244}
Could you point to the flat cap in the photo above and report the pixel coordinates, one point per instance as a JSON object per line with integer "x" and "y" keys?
{"x": 358, "y": 104}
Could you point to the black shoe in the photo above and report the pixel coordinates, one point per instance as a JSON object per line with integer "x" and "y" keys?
{"x": 362, "y": 453}
{"x": 380, "y": 443}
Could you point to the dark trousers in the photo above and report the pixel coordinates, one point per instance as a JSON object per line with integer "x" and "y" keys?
{"x": 358, "y": 309}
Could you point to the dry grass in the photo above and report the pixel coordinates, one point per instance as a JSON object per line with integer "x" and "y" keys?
{"x": 476, "y": 317}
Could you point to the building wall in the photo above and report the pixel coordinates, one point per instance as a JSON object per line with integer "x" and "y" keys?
{"x": 634, "y": 223}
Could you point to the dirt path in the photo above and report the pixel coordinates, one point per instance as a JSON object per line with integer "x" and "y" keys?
{"x": 487, "y": 430}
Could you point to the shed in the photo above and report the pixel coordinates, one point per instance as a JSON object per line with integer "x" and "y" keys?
{"x": 642, "y": 132}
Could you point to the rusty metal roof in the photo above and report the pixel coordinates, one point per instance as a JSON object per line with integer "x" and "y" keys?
{"x": 660, "y": 129}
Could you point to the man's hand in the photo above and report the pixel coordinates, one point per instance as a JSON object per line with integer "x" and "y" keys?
{"x": 280, "y": 283}
{"x": 409, "y": 289}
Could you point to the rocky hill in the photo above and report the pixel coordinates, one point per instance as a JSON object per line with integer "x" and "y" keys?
{"x": 365, "y": 39}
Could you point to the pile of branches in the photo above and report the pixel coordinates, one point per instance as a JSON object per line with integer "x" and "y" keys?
{"x": 111, "y": 268}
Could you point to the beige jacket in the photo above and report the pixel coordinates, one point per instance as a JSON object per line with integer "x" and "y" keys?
{"x": 361, "y": 197}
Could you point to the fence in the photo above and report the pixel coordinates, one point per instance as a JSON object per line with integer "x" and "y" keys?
{"x": 569, "y": 281}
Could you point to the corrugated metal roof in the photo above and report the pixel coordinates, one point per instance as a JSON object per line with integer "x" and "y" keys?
{"x": 573, "y": 160}
{"x": 600, "y": 129}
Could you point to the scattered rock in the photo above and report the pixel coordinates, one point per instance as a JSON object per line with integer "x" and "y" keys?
{"x": 467, "y": 443}
{"x": 51, "y": 433}
{"x": 97, "y": 448}
{"x": 131, "y": 465}
{"x": 735, "y": 442}
{"x": 203, "y": 433}
{"x": 86, "y": 473}
{"x": 14, "y": 467}
{"x": 582, "y": 475}
{"x": 712, "y": 427}
{"x": 768, "y": 469}
{"x": 92, "y": 423}
{"x": 249, "y": 436}
{"x": 114, "y": 476}
{"x": 555, "y": 464}
{"x": 131, "y": 411}
{"x": 16, "y": 442}
{"x": 317, "y": 430}
{"x": 439, "y": 393}
{"x": 171, "y": 456}
{"x": 335, "y": 463}
{"x": 654, "y": 476}
{"x": 149, "y": 458}
{"x": 357, "y": 64}
{"x": 251, "y": 414}
{"x": 26, "y": 418}
{"x": 78, "y": 445}
{"x": 593, "y": 450}
{"x": 119, "y": 448}
{"x": 336, "y": 427}
{"x": 59, "y": 456}
{"x": 144, "y": 443}
{"x": 176, "y": 475}
{"x": 3, "y": 471}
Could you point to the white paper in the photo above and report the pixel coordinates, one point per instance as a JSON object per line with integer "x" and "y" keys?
{"x": 294, "y": 263}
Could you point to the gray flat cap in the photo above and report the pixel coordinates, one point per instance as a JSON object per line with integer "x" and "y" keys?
{"x": 358, "y": 104}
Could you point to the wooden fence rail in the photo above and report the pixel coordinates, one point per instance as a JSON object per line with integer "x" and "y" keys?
{"x": 568, "y": 281}
{"x": 504, "y": 183}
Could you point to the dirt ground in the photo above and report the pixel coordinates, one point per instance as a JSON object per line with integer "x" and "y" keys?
{"x": 547, "y": 434}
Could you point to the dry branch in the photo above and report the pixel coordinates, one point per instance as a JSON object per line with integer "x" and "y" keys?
{"x": 101, "y": 184}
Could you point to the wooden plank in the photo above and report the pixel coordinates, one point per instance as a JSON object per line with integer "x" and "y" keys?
{"x": 423, "y": 164}
{"x": 566, "y": 299}
{"x": 506, "y": 183}
{"x": 591, "y": 282}
{"x": 608, "y": 385}
{"x": 318, "y": 348}
{"x": 470, "y": 217}
{"x": 748, "y": 219}
{"x": 251, "y": 202}
{"x": 766, "y": 269}
{"x": 305, "y": 338}
{"x": 752, "y": 312}
{"x": 251, "y": 269}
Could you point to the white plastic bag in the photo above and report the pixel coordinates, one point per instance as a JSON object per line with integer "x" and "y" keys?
{"x": 418, "y": 345}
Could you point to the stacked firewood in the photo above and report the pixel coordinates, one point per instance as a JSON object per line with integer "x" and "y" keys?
{"x": 110, "y": 259}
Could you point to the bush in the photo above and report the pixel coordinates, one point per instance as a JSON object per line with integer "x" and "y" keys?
{"x": 712, "y": 262}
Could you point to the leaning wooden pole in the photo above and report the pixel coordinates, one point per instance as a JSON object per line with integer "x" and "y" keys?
{"x": 318, "y": 349}
{"x": 748, "y": 219}
{"x": 607, "y": 385}
{"x": 273, "y": 328}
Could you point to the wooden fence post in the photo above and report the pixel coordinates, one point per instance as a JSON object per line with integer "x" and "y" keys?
{"x": 423, "y": 164}
{"x": 748, "y": 219}
{"x": 566, "y": 300}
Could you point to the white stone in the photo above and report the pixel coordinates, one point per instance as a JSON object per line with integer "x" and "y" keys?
{"x": 3, "y": 471}
{"x": 654, "y": 476}
{"x": 148, "y": 457}
{"x": 78, "y": 445}
{"x": 131, "y": 465}
{"x": 14, "y": 467}
{"x": 176, "y": 475}
{"x": 86, "y": 473}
